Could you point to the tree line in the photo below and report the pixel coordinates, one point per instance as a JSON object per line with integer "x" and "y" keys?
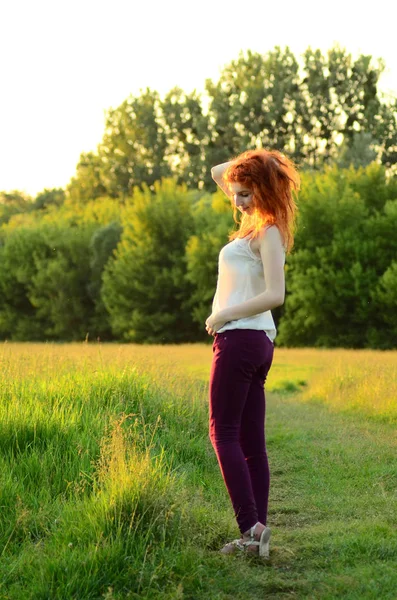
{"x": 327, "y": 109}
{"x": 128, "y": 251}
{"x": 145, "y": 271}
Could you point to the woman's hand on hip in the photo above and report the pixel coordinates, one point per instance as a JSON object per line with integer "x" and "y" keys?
{"x": 215, "y": 322}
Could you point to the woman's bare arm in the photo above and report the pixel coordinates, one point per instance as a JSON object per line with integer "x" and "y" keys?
{"x": 216, "y": 174}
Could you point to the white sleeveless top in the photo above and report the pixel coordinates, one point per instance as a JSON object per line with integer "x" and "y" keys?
{"x": 240, "y": 278}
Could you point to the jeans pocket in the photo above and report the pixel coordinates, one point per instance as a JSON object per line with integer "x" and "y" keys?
{"x": 219, "y": 341}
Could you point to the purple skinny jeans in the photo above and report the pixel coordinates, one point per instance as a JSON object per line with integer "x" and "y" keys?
{"x": 240, "y": 364}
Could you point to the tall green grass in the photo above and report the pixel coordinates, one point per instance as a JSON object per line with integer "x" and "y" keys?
{"x": 109, "y": 486}
{"x": 98, "y": 480}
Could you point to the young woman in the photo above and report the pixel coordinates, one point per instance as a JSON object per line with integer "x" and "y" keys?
{"x": 260, "y": 184}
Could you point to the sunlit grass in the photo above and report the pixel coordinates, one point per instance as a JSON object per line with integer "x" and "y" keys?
{"x": 364, "y": 381}
{"x": 109, "y": 486}
{"x": 88, "y": 487}
{"x": 344, "y": 379}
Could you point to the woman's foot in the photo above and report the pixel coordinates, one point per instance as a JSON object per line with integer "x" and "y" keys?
{"x": 230, "y": 548}
{"x": 258, "y": 528}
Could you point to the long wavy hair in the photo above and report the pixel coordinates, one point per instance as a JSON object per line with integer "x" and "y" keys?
{"x": 273, "y": 180}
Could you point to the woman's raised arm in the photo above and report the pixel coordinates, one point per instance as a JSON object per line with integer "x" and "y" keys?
{"x": 216, "y": 174}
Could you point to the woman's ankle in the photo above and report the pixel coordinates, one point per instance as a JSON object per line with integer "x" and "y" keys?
{"x": 258, "y": 528}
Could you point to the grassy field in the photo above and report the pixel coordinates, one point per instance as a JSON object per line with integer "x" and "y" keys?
{"x": 110, "y": 487}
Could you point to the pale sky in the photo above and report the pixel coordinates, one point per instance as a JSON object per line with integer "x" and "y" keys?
{"x": 64, "y": 63}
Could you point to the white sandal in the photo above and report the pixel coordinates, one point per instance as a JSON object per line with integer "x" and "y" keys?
{"x": 263, "y": 543}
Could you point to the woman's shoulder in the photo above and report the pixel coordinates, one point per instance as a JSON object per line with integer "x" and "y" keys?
{"x": 269, "y": 227}
{"x": 273, "y": 235}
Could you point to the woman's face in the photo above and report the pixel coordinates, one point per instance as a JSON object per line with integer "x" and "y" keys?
{"x": 242, "y": 197}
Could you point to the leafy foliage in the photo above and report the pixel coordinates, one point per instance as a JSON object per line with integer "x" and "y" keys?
{"x": 129, "y": 250}
{"x": 337, "y": 274}
{"x": 321, "y": 110}
{"x": 102, "y": 245}
{"x": 144, "y": 286}
{"x": 43, "y": 283}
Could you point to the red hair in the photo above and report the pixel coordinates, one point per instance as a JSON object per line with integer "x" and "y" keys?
{"x": 272, "y": 178}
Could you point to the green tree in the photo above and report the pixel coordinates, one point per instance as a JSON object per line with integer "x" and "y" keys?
{"x": 253, "y": 103}
{"x": 323, "y": 109}
{"x": 145, "y": 289}
{"x": 18, "y": 251}
{"x": 385, "y": 298}
{"x": 102, "y": 245}
{"x": 49, "y": 198}
{"x": 186, "y": 128}
{"x": 306, "y": 110}
{"x": 88, "y": 183}
{"x": 14, "y": 203}
{"x": 58, "y": 289}
{"x": 386, "y": 133}
{"x": 132, "y": 152}
{"x": 360, "y": 153}
{"x": 341, "y": 98}
{"x": 43, "y": 283}
{"x": 344, "y": 245}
